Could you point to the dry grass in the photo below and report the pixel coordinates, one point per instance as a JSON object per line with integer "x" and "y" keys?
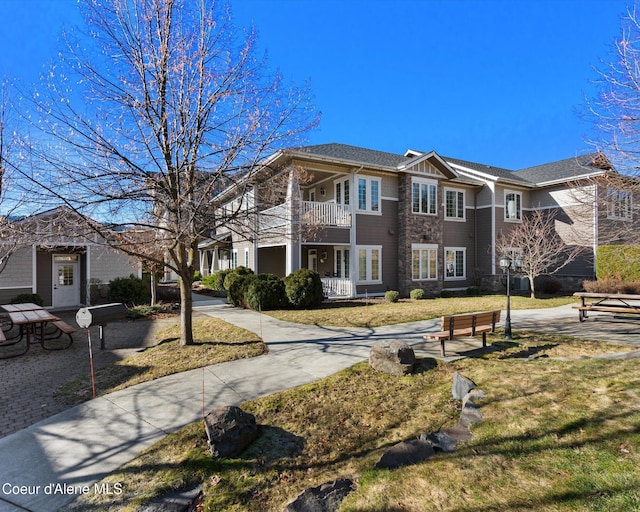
{"x": 216, "y": 341}
{"x": 558, "y": 435}
{"x": 377, "y": 312}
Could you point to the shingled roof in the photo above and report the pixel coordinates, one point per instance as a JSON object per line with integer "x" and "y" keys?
{"x": 497, "y": 172}
{"x": 354, "y": 154}
{"x": 592, "y": 163}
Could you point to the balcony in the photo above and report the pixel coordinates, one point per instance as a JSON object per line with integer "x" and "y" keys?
{"x": 326, "y": 214}
{"x": 311, "y": 213}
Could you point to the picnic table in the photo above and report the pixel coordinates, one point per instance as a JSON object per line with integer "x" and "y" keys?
{"x": 32, "y": 321}
{"x": 617, "y": 303}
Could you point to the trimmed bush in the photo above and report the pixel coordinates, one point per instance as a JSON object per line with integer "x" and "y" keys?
{"x": 266, "y": 292}
{"x": 446, "y": 294}
{"x": 392, "y": 296}
{"x": 549, "y": 285}
{"x": 238, "y": 286}
{"x": 611, "y": 286}
{"x": 215, "y": 281}
{"x": 304, "y": 289}
{"x": 129, "y": 290}
{"x": 473, "y": 291}
{"x": 231, "y": 275}
{"x": 417, "y": 294}
{"x": 197, "y": 276}
{"x": 25, "y": 298}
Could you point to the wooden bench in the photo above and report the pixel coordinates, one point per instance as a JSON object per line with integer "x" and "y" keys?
{"x": 61, "y": 328}
{"x": 464, "y": 325}
{"x": 616, "y": 303}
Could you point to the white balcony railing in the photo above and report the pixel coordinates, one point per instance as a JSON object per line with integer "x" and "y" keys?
{"x": 334, "y": 287}
{"x": 326, "y": 214}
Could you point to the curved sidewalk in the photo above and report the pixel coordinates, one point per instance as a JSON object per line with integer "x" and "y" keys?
{"x": 64, "y": 455}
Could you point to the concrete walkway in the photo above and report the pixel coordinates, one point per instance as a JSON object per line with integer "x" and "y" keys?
{"x": 45, "y": 466}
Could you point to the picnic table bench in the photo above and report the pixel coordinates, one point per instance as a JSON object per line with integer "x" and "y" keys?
{"x": 465, "y": 325}
{"x": 620, "y": 303}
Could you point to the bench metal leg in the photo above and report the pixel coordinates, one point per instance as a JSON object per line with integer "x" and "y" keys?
{"x": 442, "y": 348}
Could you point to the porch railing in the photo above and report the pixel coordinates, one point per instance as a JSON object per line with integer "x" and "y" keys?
{"x": 326, "y": 214}
{"x": 334, "y": 287}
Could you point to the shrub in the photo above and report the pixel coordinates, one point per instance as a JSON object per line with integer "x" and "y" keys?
{"x": 129, "y": 290}
{"x": 611, "y": 286}
{"x": 392, "y": 296}
{"x": 304, "y": 289}
{"x": 238, "y": 286}
{"x": 25, "y": 298}
{"x": 417, "y": 294}
{"x": 266, "y": 292}
{"x": 231, "y": 275}
{"x": 142, "y": 311}
{"x": 445, "y": 294}
{"x": 473, "y": 291}
{"x": 550, "y": 285}
{"x": 215, "y": 281}
{"x": 197, "y": 276}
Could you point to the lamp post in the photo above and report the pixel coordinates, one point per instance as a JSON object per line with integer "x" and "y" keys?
{"x": 507, "y": 264}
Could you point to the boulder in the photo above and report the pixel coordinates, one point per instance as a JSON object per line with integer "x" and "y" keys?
{"x": 441, "y": 441}
{"x": 471, "y": 414}
{"x": 406, "y": 453}
{"x": 178, "y": 501}
{"x": 324, "y": 498}
{"x": 230, "y": 430}
{"x": 392, "y": 357}
{"x": 461, "y": 386}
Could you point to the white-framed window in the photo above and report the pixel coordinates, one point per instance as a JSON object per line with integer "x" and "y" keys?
{"x": 341, "y": 258}
{"x": 424, "y": 196}
{"x": 368, "y": 194}
{"x": 455, "y": 262}
{"x": 369, "y": 263}
{"x": 312, "y": 194}
{"x": 619, "y": 204}
{"x": 246, "y": 257}
{"x": 342, "y": 191}
{"x": 424, "y": 262}
{"x": 512, "y": 206}
{"x": 234, "y": 258}
{"x": 454, "y": 204}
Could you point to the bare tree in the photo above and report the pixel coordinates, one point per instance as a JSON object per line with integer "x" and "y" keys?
{"x": 153, "y": 111}
{"x": 539, "y": 243}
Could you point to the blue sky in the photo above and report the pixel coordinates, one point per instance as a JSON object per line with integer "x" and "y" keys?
{"x": 494, "y": 81}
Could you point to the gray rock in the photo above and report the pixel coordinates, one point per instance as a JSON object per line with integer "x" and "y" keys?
{"x": 461, "y": 386}
{"x": 230, "y": 430}
{"x": 473, "y": 396}
{"x": 406, "y": 453}
{"x": 392, "y": 357}
{"x": 179, "y": 501}
{"x": 441, "y": 441}
{"x": 470, "y": 415}
{"x": 458, "y": 432}
{"x": 324, "y": 498}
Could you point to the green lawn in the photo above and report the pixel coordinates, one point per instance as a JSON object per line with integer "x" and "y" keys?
{"x": 558, "y": 435}
{"x": 376, "y": 312}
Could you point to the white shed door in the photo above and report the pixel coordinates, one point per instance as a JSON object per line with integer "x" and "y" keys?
{"x": 66, "y": 282}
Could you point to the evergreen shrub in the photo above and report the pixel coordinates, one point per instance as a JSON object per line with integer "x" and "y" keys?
{"x": 266, "y": 292}
{"x": 129, "y": 290}
{"x": 304, "y": 289}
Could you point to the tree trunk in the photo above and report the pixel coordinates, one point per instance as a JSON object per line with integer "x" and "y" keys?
{"x": 154, "y": 294}
{"x": 186, "y": 311}
{"x": 532, "y": 287}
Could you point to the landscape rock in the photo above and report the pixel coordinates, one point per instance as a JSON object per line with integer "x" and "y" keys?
{"x": 324, "y": 498}
{"x": 473, "y": 396}
{"x": 179, "y": 501}
{"x": 441, "y": 441}
{"x": 461, "y": 386}
{"x": 406, "y": 453}
{"x": 230, "y": 430}
{"x": 392, "y": 357}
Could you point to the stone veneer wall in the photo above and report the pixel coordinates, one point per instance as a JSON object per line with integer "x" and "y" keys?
{"x": 411, "y": 230}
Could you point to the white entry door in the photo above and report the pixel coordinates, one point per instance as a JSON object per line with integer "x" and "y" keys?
{"x": 66, "y": 282}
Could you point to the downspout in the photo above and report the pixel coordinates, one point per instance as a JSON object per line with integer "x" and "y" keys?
{"x": 352, "y": 235}
{"x": 595, "y": 229}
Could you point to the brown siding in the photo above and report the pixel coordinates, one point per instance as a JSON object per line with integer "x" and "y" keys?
{"x": 45, "y": 279}
{"x": 382, "y": 230}
{"x": 272, "y": 260}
